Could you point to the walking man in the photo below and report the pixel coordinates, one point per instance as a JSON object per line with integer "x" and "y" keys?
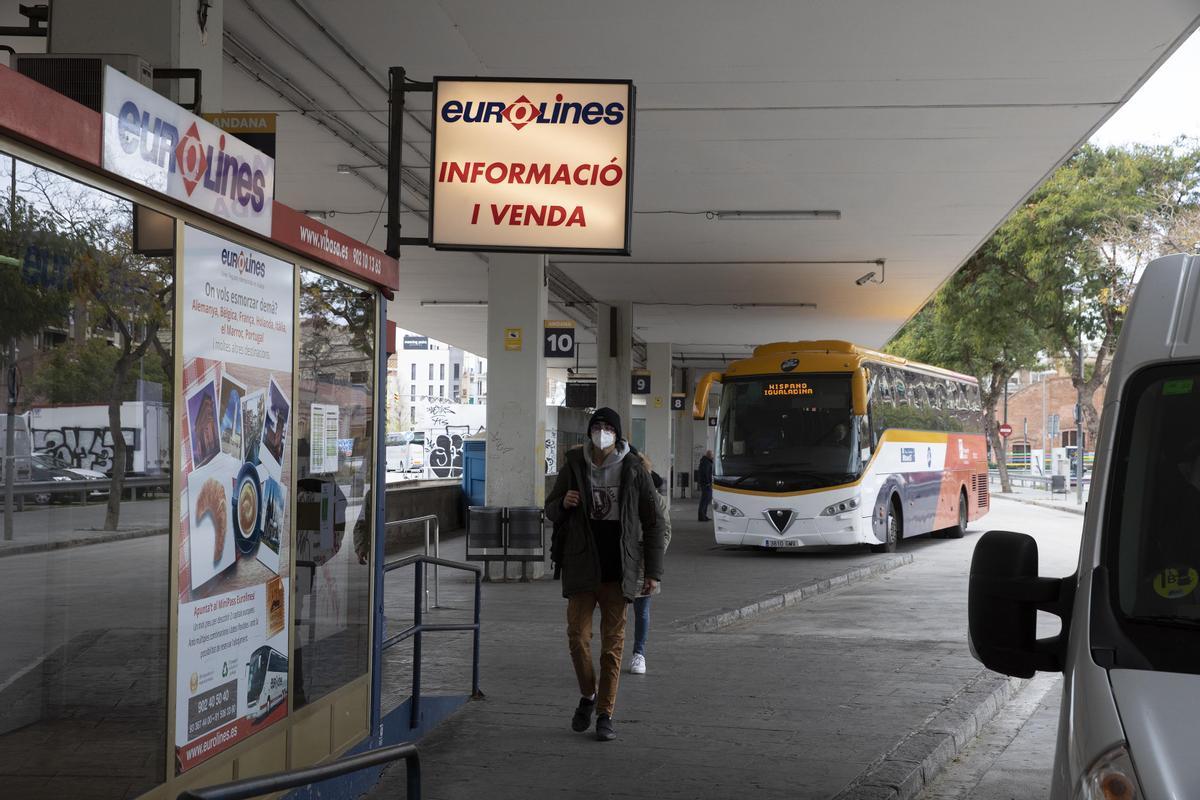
{"x": 606, "y": 522}
{"x": 705, "y": 480}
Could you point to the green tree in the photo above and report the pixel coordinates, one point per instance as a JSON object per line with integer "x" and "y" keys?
{"x": 121, "y": 291}
{"x": 976, "y": 324}
{"x": 80, "y": 372}
{"x": 1081, "y": 241}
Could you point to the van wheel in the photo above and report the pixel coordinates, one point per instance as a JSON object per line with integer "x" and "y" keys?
{"x": 958, "y": 530}
{"x": 893, "y": 525}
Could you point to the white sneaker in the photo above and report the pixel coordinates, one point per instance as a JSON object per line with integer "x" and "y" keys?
{"x": 637, "y": 665}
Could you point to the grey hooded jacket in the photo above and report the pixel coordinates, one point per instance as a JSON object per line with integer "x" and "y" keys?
{"x": 641, "y": 526}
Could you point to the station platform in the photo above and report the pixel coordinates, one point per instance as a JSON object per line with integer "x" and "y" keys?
{"x": 808, "y": 674}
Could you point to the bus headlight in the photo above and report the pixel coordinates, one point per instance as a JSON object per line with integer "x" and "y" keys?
{"x": 728, "y": 510}
{"x": 840, "y": 507}
{"x": 1110, "y": 778}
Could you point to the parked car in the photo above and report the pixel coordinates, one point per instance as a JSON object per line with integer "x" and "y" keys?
{"x": 1129, "y": 645}
{"x": 42, "y": 470}
{"x": 51, "y": 461}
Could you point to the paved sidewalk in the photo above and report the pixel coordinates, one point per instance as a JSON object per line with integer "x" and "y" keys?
{"x": 40, "y": 529}
{"x": 1044, "y": 499}
{"x": 805, "y": 701}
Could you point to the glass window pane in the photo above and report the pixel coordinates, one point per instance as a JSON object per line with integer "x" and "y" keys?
{"x": 333, "y": 577}
{"x": 84, "y": 633}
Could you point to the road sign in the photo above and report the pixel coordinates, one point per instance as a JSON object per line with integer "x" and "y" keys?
{"x": 558, "y": 338}
{"x": 641, "y": 383}
{"x": 1005, "y": 430}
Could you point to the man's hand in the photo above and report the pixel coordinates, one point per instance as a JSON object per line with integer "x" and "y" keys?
{"x": 571, "y": 499}
{"x": 649, "y": 586}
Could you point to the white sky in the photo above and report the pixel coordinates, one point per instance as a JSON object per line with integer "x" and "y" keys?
{"x": 1164, "y": 108}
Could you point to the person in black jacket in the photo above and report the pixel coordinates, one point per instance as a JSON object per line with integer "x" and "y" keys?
{"x": 607, "y": 524}
{"x": 705, "y": 480}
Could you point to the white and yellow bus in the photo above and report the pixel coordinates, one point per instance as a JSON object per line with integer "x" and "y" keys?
{"x": 826, "y": 443}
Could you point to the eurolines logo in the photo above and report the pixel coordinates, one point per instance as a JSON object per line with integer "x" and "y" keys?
{"x": 523, "y": 111}
{"x": 244, "y": 263}
{"x": 199, "y": 165}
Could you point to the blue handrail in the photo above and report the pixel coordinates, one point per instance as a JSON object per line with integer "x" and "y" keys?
{"x": 419, "y": 626}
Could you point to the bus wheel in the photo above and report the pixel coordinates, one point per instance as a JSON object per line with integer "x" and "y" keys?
{"x": 958, "y": 530}
{"x": 893, "y": 525}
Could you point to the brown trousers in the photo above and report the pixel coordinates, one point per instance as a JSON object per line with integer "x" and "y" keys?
{"x": 580, "y": 608}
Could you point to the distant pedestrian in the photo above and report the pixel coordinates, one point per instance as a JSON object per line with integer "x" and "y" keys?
{"x": 705, "y": 481}
{"x": 641, "y": 603}
{"x": 606, "y": 524}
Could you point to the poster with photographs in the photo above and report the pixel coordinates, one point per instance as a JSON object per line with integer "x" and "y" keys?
{"x": 232, "y": 533}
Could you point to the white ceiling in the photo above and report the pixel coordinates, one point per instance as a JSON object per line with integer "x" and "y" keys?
{"x": 923, "y": 122}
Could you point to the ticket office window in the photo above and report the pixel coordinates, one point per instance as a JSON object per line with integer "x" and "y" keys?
{"x": 335, "y": 448}
{"x": 84, "y": 633}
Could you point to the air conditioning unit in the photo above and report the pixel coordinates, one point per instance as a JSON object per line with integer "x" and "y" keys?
{"x": 81, "y": 76}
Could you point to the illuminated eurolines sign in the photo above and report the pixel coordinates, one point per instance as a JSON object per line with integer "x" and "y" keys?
{"x": 153, "y": 142}
{"x": 537, "y": 166}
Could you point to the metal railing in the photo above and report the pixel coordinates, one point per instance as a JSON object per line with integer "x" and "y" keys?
{"x": 268, "y": 784}
{"x": 420, "y": 627}
{"x": 1036, "y": 481}
{"x": 437, "y": 548}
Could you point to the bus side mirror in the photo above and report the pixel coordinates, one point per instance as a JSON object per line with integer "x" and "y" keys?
{"x": 858, "y": 392}
{"x": 1004, "y": 597}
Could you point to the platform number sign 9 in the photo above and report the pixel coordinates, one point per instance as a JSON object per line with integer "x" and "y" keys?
{"x": 558, "y": 339}
{"x": 641, "y": 383}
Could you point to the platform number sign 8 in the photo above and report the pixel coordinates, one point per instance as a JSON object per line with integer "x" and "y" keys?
{"x": 558, "y": 341}
{"x": 641, "y": 384}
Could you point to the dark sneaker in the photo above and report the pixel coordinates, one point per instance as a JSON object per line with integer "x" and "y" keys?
{"x": 583, "y": 715}
{"x": 604, "y": 728}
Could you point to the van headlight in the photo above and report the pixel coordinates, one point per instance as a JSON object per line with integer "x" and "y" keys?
{"x": 840, "y": 507}
{"x": 1110, "y": 778}
{"x": 728, "y": 510}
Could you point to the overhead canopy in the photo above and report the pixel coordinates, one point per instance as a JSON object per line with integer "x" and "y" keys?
{"x": 923, "y": 123}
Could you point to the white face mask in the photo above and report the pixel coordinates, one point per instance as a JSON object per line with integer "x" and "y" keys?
{"x": 603, "y": 439}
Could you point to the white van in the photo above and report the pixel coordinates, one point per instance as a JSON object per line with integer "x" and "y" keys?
{"x": 405, "y": 451}
{"x": 1130, "y": 642}
{"x": 22, "y": 450}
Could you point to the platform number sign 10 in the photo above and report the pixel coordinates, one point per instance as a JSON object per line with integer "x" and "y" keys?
{"x": 641, "y": 383}
{"x": 558, "y": 339}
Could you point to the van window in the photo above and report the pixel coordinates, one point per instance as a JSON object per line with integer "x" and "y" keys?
{"x": 1151, "y": 543}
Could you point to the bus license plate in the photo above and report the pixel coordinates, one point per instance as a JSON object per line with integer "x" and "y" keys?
{"x": 780, "y": 543}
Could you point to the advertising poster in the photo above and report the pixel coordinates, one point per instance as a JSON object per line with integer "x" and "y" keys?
{"x": 235, "y": 457}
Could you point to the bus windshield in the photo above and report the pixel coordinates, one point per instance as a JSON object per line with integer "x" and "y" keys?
{"x": 787, "y": 432}
{"x": 258, "y": 673}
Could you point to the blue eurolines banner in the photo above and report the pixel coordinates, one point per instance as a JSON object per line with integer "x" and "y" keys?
{"x": 155, "y": 143}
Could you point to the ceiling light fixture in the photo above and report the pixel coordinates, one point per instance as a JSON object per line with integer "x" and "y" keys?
{"x": 756, "y": 216}
{"x": 870, "y": 276}
{"x": 454, "y": 303}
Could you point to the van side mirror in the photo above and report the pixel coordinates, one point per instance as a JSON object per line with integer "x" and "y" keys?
{"x": 1003, "y": 600}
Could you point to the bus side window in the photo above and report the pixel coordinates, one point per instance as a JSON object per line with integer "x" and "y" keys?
{"x": 901, "y": 389}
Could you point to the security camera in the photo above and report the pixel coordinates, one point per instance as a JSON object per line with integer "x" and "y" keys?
{"x": 865, "y": 279}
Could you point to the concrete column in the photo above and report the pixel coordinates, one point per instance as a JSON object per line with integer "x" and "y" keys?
{"x": 516, "y": 407}
{"x": 614, "y": 360}
{"x": 658, "y": 408}
{"x": 683, "y": 435}
{"x": 167, "y": 33}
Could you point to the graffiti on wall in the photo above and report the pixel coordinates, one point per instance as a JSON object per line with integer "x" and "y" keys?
{"x": 551, "y": 452}
{"x": 85, "y": 448}
{"x": 444, "y": 451}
